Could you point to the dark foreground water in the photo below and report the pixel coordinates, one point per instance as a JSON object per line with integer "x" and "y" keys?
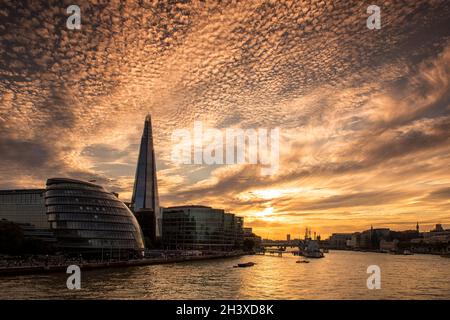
{"x": 340, "y": 275}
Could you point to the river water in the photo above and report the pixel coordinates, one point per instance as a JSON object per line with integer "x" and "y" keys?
{"x": 340, "y": 275}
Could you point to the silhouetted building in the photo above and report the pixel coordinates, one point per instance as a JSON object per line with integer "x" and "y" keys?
{"x": 370, "y": 239}
{"x": 339, "y": 240}
{"x": 201, "y": 228}
{"x": 255, "y": 241}
{"x": 87, "y": 219}
{"x": 26, "y": 207}
{"x": 403, "y": 236}
{"x": 438, "y": 228}
{"x": 247, "y": 231}
{"x": 389, "y": 246}
{"x": 145, "y": 201}
{"x": 355, "y": 241}
{"x": 436, "y": 241}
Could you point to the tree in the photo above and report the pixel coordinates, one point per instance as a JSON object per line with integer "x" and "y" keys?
{"x": 249, "y": 244}
{"x": 14, "y": 242}
{"x": 12, "y": 238}
{"x": 375, "y": 241}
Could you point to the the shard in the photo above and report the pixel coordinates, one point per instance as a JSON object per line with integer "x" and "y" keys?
{"x": 145, "y": 202}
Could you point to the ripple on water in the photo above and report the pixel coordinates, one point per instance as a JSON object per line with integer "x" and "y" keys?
{"x": 340, "y": 275}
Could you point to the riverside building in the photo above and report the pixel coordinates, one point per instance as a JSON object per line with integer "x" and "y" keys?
{"x": 201, "y": 228}
{"x": 26, "y": 207}
{"x": 87, "y": 219}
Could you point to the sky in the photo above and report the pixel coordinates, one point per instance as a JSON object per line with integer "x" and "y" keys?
{"x": 364, "y": 115}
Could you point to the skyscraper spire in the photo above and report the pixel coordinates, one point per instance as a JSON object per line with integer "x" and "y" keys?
{"x": 145, "y": 200}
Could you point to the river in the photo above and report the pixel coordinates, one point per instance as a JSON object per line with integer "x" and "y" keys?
{"x": 340, "y": 275}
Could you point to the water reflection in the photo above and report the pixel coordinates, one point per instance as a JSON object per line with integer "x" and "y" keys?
{"x": 341, "y": 275}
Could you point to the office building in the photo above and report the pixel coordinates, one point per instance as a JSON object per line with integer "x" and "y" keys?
{"x": 26, "y": 207}
{"x": 247, "y": 231}
{"x": 340, "y": 240}
{"x": 145, "y": 202}
{"x": 87, "y": 219}
{"x": 201, "y": 228}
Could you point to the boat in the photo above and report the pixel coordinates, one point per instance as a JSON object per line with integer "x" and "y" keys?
{"x": 313, "y": 254}
{"x": 245, "y": 265}
{"x": 310, "y": 249}
{"x": 302, "y": 261}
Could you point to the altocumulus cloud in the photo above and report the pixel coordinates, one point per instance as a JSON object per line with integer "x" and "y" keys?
{"x": 360, "y": 111}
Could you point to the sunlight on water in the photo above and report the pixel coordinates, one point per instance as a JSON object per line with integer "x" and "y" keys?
{"x": 340, "y": 275}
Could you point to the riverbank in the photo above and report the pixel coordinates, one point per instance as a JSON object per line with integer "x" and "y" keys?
{"x": 433, "y": 253}
{"x": 340, "y": 275}
{"x": 39, "y": 269}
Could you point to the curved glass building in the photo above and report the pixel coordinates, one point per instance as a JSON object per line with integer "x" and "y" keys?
{"x": 88, "y": 219}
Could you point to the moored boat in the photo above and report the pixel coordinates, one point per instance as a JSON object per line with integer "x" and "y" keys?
{"x": 313, "y": 254}
{"x": 310, "y": 249}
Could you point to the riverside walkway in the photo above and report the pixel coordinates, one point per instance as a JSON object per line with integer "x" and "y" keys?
{"x": 86, "y": 265}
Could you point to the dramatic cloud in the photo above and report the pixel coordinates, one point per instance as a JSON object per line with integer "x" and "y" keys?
{"x": 364, "y": 115}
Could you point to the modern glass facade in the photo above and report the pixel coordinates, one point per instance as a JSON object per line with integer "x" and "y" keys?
{"x": 200, "y": 228}
{"x": 145, "y": 200}
{"x": 26, "y": 207}
{"x": 87, "y": 218}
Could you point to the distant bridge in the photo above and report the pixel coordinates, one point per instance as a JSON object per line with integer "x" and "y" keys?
{"x": 277, "y": 252}
{"x": 281, "y": 244}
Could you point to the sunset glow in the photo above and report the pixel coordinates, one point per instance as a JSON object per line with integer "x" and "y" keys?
{"x": 364, "y": 115}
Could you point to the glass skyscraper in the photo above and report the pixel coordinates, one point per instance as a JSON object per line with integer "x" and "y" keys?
{"x": 145, "y": 202}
